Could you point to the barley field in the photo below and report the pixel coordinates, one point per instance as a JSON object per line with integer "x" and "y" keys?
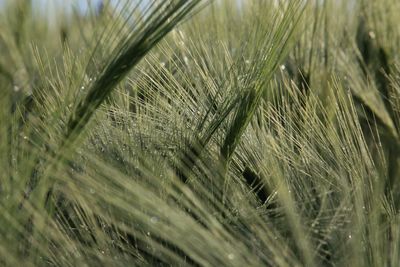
{"x": 200, "y": 133}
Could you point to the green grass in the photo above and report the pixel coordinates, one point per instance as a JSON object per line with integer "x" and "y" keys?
{"x": 201, "y": 133}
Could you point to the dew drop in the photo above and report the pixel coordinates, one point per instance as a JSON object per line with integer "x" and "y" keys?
{"x": 372, "y": 35}
{"x": 154, "y": 220}
{"x": 186, "y": 59}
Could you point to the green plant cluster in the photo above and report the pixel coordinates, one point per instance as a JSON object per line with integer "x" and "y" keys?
{"x": 200, "y": 133}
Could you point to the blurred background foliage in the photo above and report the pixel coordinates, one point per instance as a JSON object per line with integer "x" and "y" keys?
{"x": 200, "y": 133}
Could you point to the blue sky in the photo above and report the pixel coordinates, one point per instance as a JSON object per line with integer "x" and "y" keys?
{"x": 81, "y": 4}
{"x": 44, "y": 5}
